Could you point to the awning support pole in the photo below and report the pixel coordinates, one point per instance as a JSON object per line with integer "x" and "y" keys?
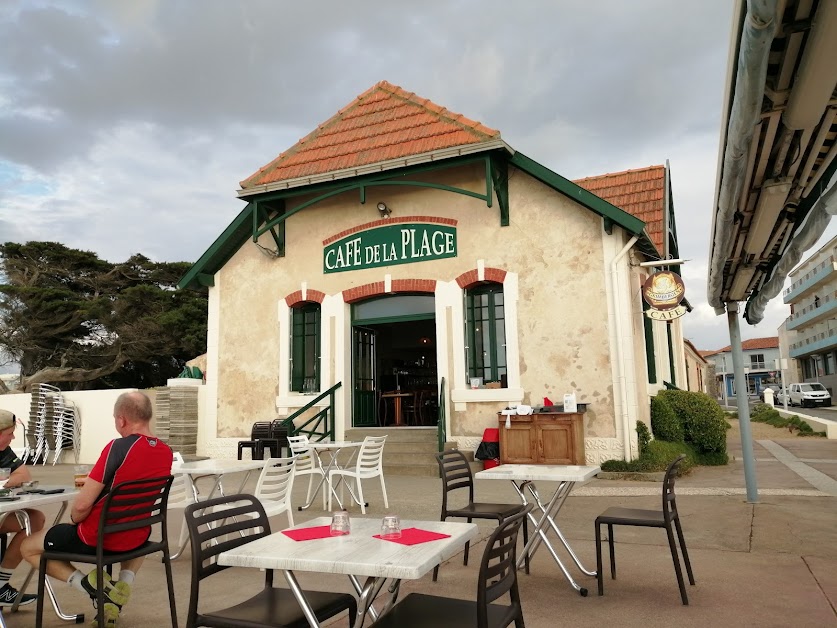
{"x": 742, "y": 402}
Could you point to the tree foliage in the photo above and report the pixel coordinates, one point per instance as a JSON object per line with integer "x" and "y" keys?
{"x": 71, "y": 319}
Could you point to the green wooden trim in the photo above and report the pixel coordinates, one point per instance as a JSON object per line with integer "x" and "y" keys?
{"x": 650, "y": 361}
{"x": 441, "y": 433}
{"x": 608, "y": 226}
{"x": 266, "y": 211}
{"x": 670, "y": 354}
{"x": 206, "y": 280}
{"x": 500, "y": 181}
{"x": 394, "y": 319}
{"x": 592, "y": 202}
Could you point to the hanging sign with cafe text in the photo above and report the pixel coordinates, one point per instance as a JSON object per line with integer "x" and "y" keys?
{"x": 404, "y": 243}
{"x": 663, "y": 292}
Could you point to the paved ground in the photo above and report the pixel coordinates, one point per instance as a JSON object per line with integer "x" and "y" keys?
{"x": 772, "y": 563}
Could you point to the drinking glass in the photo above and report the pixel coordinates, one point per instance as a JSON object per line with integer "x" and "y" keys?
{"x": 340, "y": 524}
{"x": 80, "y": 475}
{"x": 391, "y": 527}
{"x": 5, "y": 472}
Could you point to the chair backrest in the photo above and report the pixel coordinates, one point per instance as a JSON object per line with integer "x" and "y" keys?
{"x": 456, "y": 474}
{"x": 278, "y": 430}
{"x": 276, "y": 481}
{"x": 212, "y": 530}
{"x": 669, "y": 503}
{"x": 498, "y": 571}
{"x": 260, "y": 429}
{"x": 305, "y": 456}
{"x": 371, "y": 455}
{"x": 132, "y": 505}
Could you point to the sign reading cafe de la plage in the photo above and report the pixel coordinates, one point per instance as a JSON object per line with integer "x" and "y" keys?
{"x": 403, "y": 243}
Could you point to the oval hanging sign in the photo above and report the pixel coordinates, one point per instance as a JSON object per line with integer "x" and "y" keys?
{"x": 403, "y": 243}
{"x": 663, "y": 290}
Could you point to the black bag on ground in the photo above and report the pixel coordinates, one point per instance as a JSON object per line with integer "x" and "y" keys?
{"x": 487, "y": 451}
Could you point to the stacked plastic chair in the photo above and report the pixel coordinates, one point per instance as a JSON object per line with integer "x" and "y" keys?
{"x": 67, "y": 431}
{"x": 40, "y": 406}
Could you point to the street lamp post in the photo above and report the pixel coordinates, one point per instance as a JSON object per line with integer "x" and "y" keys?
{"x": 724, "y": 377}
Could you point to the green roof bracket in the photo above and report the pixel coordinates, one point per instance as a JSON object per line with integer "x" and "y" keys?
{"x": 264, "y": 212}
{"x": 608, "y": 225}
{"x": 205, "y": 279}
{"x": 362, "y": 194}
{"x": 499, "y": 172}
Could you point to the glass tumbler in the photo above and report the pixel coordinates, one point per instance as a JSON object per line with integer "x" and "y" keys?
{"x": 391, "y": 527}
{"x": 5, "y": 472}
{"x": 340, "y": 524}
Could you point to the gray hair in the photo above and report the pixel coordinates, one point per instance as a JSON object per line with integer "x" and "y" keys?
{"x": 134, "y": 406}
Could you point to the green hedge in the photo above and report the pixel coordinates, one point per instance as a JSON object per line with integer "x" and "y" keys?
{"x": 656, "y": 456}
{"x": 703, "y": 421}
{"x": 763, "y": 413}
{"x": 664, "y": 422}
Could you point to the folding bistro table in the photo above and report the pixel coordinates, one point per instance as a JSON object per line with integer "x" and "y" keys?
{"x": 34, "y": 501}
{"x": 333, "y": 448}
{"x": 523, "y": 477}
{"x": 356, "y": 554}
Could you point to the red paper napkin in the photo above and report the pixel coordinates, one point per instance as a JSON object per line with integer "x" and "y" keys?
{"x": 307, "y": 534}
{"x": 414, "y": 536}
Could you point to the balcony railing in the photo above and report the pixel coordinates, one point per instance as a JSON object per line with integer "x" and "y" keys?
{"x": 758, "y": 365}
{"x": 815, "y": 311}
{"x": 815, "y": 342}
{"x": 821, "y": 270}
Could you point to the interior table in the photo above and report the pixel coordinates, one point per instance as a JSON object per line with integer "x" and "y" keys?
{"x": 215, "y": 468}
{"x": 35, "y": 501}
{"x": 396, "y": 401}
{"x": 523, "y": 478}
{"x": 333, "y": 448}
{"x": 356, "y": 554}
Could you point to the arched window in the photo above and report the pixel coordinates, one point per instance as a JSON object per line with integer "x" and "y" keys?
{"x": 485, "y": 333}
{"x": 305, "y": 347}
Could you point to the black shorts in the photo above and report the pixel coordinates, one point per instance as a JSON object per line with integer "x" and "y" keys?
{"x": 63, "y": 537}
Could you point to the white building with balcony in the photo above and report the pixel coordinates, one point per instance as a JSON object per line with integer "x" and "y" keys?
{"x": 812, "y": 324}
{"x": 760, "y": 355}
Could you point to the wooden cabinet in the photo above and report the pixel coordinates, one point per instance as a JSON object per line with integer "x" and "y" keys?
{"x": 543, "y": 438}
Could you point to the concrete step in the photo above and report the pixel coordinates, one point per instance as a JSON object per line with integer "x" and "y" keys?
{"x": 414, "y": 470}
{"x": 395, "y": 435}
{"x": 409, "y": 451}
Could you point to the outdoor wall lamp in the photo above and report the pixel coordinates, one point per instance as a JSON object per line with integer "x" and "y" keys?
{"x": 384, "y": 210}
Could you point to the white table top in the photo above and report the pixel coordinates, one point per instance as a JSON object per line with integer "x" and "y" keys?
{"x": 357, "y": 554}
{"x": 35, "y": 500}
{"x": 545, "y": 472}
{"x": 215, "y": 466}
{"x": 338, "y": 444}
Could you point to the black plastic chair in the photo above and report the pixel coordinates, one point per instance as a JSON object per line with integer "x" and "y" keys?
{"x": 233, "y": 521}
{"x": 456, "y": 474}
{"x": 276, "y": 441}
{"x": 128, "y": 506}
{"x": 498, "y": 577}
{"x": 259, "y": 432}
{"x": 665, "y": 518}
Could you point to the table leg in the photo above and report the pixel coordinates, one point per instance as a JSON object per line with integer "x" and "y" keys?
{"x": 293, "y": 584}
{"x": 398, "y": 411}
{"x": 319, "y": 486}
{"x": 539, "y": 534}
{"x": 367, "y": 595}
{"x": 22, "y": 515}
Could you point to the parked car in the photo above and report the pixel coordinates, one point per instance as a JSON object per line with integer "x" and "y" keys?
{"x": 772, "y": 387}
{"x": 810, "y": 394}
{"x": 779, "y": 397}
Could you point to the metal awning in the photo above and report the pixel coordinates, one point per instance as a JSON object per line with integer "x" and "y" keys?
{"x": 778, "y": 148}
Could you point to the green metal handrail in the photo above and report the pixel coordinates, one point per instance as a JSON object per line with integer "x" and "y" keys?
{"x": 323, "y": 421}
{"x": 440, "y": 427}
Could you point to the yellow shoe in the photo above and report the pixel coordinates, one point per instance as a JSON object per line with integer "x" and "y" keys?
{"x": 111, "y": 616}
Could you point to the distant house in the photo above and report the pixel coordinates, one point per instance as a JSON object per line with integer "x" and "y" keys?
{"x": 695, "y": 367}
{"x": 760, "y": 355}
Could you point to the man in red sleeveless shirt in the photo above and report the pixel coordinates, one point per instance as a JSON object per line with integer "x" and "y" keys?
{"x": 137, "y": 455}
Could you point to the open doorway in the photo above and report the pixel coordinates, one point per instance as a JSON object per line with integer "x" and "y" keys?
{"x": 394, "y": 370}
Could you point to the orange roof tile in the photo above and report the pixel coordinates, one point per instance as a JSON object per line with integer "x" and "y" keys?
{"x": 770, "y": 342}
{"x": 385, "y": 122}
{"x": 638, "y": 192}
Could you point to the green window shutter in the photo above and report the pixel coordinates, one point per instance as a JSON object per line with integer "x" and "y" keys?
{"x": 305, "y": 348}
{"x": 485, "y": 332}
{"x": 671, "y": 354}
{"x": 649, "y": 346}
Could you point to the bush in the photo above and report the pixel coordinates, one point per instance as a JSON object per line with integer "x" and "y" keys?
{"x": 664, "y": 421}
{"x": 763, "y": 413}
{"x": 712, "y": 459}
{"x": 703, "y": 421}
{"x": 656, "y": 456}
{"x": 643, "y": 436}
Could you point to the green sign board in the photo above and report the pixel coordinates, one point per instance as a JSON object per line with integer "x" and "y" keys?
{"x": 402, "y": 243}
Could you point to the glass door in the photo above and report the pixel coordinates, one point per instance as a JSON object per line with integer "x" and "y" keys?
{"x": 363, "y": 350}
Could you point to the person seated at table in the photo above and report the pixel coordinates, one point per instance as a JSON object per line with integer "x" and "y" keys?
{"x": 10, "y": 523}
{"x": 137, "y": 455}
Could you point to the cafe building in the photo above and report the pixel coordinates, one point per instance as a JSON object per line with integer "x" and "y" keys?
{"x": 408, "y": 260}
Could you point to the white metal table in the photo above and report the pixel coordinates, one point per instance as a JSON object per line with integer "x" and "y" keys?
{"x": 34, "y": 501}
{"x": 215, "y": 468}
{"x": 333, "y": 448}
{"x": 523, "y": 478}
{"x": 357, "y": 554}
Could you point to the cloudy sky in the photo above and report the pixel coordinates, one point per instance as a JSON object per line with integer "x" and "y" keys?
{"x": 126, "y": 126}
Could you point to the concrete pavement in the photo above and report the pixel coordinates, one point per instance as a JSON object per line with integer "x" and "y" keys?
{"x": 772, "y": 563}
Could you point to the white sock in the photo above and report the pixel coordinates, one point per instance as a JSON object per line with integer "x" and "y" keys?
{"x": 126, "y": 576}
{"x": 5, "y": 575}
{"x": 75, "y": 581}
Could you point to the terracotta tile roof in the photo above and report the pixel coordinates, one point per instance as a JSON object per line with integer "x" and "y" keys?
{"x": 385, "y": 122}
{"x": 638, "y": 192}
{"x": 771, "y": 342}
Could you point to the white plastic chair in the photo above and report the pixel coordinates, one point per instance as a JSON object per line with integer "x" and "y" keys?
{"x": 275, "y": 486}
{"x": 181, "y": 495}
{"x": 307, "y": 463}
{"x": 370, "y": 464}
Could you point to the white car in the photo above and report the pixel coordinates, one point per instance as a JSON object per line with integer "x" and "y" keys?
{"x": 779, "y": 397}
{"x": 808, "y": 394}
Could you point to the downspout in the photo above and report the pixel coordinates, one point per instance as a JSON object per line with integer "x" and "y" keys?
{"x": 620, "y": 367}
